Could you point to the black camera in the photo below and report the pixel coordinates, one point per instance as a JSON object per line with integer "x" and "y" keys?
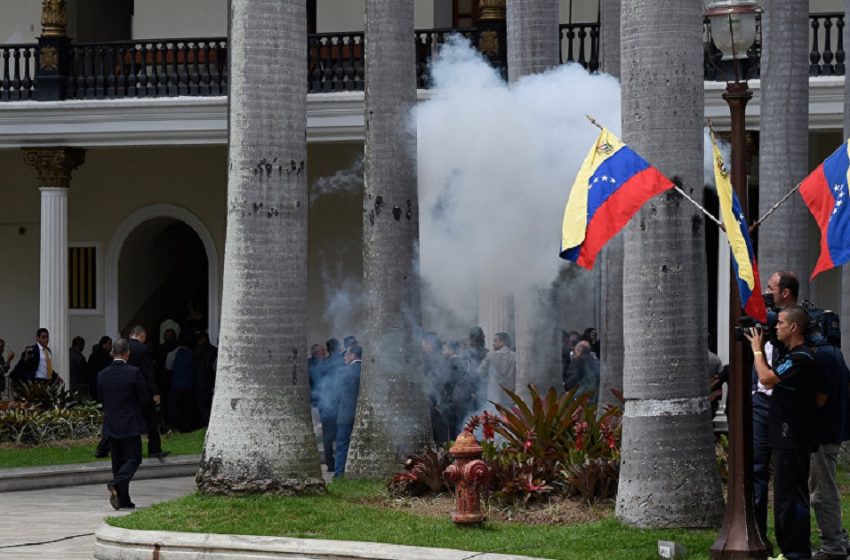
{"x": 745, "y": 323}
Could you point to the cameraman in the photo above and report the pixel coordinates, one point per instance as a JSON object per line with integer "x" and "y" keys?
{"x": 791, "y": 435}
{"x": 784, "y": 287}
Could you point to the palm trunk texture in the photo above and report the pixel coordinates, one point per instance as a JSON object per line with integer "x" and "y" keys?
{"x": 392, "y": 414}
{"x": 784, "y": 139}
{"x": 667, "y": 472}
{"x": 260, "y": 437}
{"x": 611, "y": 304}
{"x": 533, "y": 47}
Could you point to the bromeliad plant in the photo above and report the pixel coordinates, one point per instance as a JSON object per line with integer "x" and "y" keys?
{"x": 552, "y": 444}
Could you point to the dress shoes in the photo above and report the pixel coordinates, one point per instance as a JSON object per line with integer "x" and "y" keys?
{"x": 114, "y": 499}
{"x": 159, "y": 454}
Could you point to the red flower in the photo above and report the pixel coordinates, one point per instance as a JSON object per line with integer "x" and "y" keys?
{"x": 529, "y": 441}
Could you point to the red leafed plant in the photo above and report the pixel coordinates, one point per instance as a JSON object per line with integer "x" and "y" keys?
{"x": 423, "y": 473}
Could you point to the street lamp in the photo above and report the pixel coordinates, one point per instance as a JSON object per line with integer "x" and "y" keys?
{"x": 733, "y": 30}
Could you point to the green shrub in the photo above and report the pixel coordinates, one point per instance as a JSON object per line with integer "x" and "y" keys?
{"x": 46, "y": 396}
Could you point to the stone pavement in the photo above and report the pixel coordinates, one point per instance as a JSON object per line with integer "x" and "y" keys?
{"x": 47, "y": 515}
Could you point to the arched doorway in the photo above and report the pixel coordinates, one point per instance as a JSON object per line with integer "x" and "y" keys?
{"x": 161, "y": 264}
{"x": 162, "y": 275}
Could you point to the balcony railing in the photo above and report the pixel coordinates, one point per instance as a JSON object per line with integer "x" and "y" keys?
{"x": 198, "y": 67}
{"x": 17, "y": 72}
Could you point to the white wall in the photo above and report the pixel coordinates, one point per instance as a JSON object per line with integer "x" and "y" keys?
{"x": 156, "y": 19}
{"x": 20, "y": 22}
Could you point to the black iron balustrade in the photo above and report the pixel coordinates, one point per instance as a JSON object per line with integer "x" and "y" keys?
{"x": 17, "y": 71}
{"x": 580, "y": 43}
{"x": 827, "y": 55}
{"x": 826, "y": 58}
{"x": 155, "y": 68}
{"x": 198, "y": 67}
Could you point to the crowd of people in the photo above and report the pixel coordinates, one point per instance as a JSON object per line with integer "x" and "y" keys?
{"x": 462, "y": 378}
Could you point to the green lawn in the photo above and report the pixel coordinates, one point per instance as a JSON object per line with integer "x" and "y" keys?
{"x": 341, "y": 515}
{"x": 83, "y": 451}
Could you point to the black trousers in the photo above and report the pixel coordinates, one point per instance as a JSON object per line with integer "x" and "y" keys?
{"x": 791, "y": 502}
{"x": 126, "y": 458}
{"x": 152, "y": 422}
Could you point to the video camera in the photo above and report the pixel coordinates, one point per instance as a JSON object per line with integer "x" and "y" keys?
{"x": 745, "y": 322}
{"x": 823, "y": 324}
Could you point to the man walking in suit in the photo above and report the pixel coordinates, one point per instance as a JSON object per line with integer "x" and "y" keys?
{"x": 123, "y": 393}
{"x": 141, "y": 358}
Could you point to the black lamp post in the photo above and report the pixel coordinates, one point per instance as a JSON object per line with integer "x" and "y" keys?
{"x": 733, "y": 30}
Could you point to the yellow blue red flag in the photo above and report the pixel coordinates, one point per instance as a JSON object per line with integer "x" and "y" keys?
{"x": 825, "y": 193}
{"x": 612, "y": 185}
{"x": 738, "y": 232}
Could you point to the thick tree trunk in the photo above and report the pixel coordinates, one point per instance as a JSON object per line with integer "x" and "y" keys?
{"x": 533, "y": 47}
{"x": 260, "y": 437}
{"x": 667, "y": 472}
{"x": 784, "y": 139}
{"x": 533, "y": 37}
{"x": 392, "y": 414}
{"x": 611, "y": 304}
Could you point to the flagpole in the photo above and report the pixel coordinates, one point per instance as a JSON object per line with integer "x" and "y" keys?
{"x": 675, "y": 186}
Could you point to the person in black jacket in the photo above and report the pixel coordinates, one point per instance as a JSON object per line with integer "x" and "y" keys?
{"x": 791, "y": 432}
{"x": 141, "y": 358}
{"x": 124, "y": 394}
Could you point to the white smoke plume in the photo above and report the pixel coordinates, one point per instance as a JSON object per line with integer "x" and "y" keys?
{"x": 496, "y": 163}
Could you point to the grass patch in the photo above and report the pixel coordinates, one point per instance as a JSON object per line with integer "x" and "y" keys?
{"x": 343, "y": 515}
{"x": 82, "y": 451}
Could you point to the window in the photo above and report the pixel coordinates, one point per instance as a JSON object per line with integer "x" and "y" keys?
{"x": 83, "y": 278}
{"x": 464, "y": 13}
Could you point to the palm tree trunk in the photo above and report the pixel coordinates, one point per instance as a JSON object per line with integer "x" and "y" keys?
{"x": 260, "y": 437}
{"x": 392, "y": 414}
{"x": 611, "y": 304}
{"x": 784, "y": 138}
{"x": 533, "y": 37}
{"x": 667, "y": 472}
{"x": 533, "y": 47}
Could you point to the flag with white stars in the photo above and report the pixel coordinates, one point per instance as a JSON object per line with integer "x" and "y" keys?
{"x": 825, "y": 193}
{"x": 612, "y": 185}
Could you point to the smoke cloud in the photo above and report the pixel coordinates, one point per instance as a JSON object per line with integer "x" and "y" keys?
{"x": 496, "y": 163}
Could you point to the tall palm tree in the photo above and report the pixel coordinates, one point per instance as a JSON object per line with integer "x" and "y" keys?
{"x": 784, "y": 138}
{"x": 260, "y": 437}
{"x": 533, "y": 37}
{"x": 667, "y": 472}
{"x": 534, "y": 47}
{"x": 392, "y": 414}
{"x": 611, "y": 304}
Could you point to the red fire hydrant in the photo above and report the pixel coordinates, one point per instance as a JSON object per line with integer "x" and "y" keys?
{"x": 468, "y": 473}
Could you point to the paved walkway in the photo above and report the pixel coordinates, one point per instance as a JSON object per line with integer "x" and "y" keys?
{"x": 47, "y": 515}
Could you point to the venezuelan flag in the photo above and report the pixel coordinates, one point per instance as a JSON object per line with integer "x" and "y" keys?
{"x": 738, "y": 232}
{"x": 612, "y": 185}
{"x": 825, "y": 193}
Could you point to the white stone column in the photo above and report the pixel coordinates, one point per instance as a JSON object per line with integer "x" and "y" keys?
{"x": 54, "y": 166}
{"x": 495, "y": 313}
{"x": 53, "y": 274}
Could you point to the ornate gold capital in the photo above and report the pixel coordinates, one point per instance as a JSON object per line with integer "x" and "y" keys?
{"x": 492, "y": 10}
{"x": 54, "y": 18}
{"x": 54, "y": 165}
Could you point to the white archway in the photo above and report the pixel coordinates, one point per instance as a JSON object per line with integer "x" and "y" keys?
{"x": 113, "y": 254}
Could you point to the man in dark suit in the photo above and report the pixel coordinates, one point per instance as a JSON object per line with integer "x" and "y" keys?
{"x": 348, "y": 384}
{"x": 123, "y": 392}
{"x": 36, "y": 363}
{"x": 141, "y": 358}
